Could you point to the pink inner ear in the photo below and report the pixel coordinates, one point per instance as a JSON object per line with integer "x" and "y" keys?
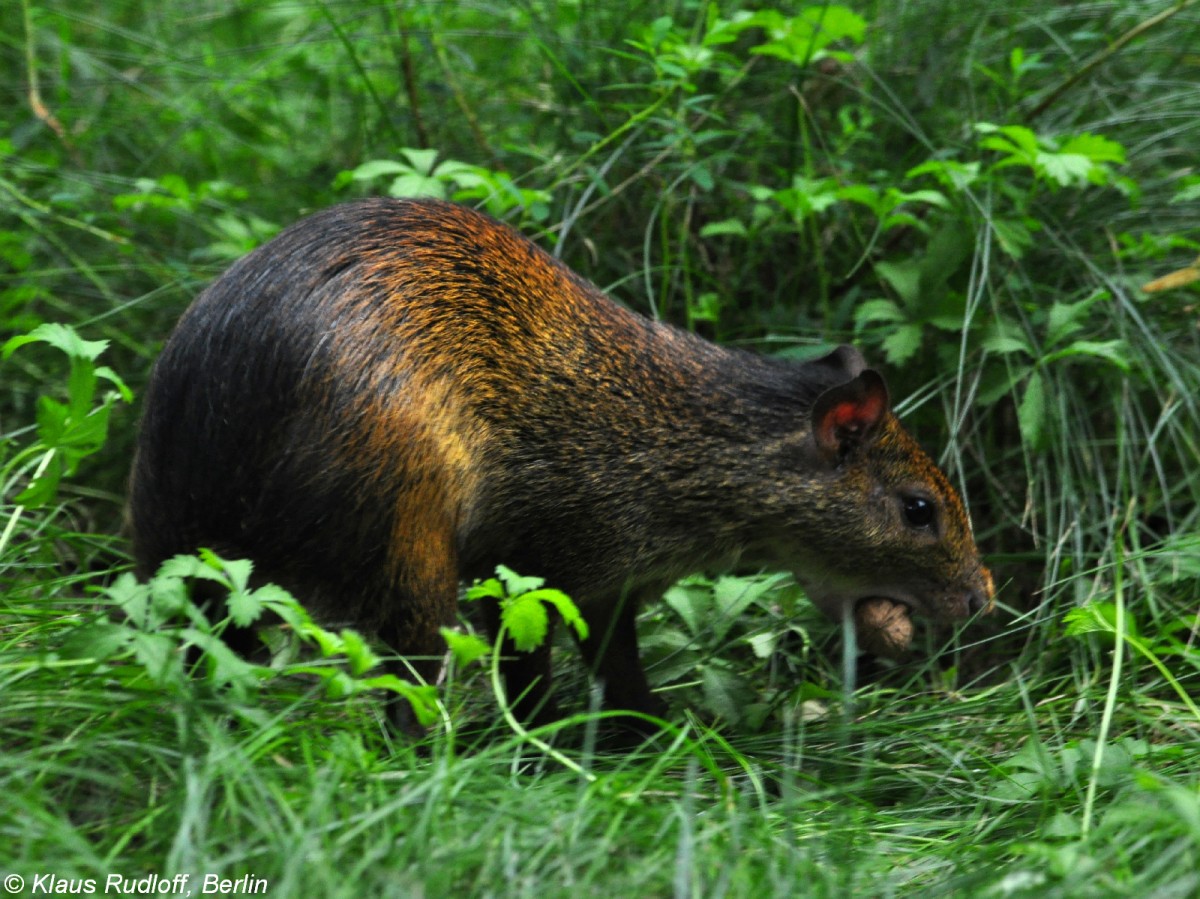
{"x": 857, "y": 415}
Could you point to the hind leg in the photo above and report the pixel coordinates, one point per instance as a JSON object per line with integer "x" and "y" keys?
{"x": 421, "y": 600}
{"x": 420, "y": 649}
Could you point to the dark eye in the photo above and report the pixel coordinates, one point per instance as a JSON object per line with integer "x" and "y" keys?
{"x": 918, "y": 512}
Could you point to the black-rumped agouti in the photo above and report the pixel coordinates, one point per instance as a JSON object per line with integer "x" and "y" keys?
{"x": 392, "y": 397}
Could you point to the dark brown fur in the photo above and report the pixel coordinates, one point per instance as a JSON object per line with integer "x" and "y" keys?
{"x": 392, "y": 397}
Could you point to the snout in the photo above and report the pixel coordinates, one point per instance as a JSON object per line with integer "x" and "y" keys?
{"x": 979, "y": 600}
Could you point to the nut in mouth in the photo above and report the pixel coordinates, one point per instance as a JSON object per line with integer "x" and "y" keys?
{"x": 884, "y": 626}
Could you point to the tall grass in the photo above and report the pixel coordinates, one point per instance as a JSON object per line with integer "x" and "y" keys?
{"x": 746, "y": 188}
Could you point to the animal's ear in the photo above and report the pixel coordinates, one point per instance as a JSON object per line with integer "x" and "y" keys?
{"x": 845, "y": 359}
{"x": 845, "y": 417}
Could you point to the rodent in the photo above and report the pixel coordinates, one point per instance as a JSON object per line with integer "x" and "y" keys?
{"x": 393, "y": 396}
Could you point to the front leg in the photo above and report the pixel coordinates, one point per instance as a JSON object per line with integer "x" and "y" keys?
{"x": 611, "y": 652}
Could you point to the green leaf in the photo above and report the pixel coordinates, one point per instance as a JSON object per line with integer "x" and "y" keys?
{"x": 1065, "y": 319}
{"x": 1031, "y": 411}
{"x": 377, "y": 168}
{"x": 42, "y": 489}
{"x": 950, "y": 173}
{"x": 731, "y": 227}
{"x": 732, "y": 596}
{"x": 100, "y": 640}
{"x": 359, "y": 656}
{"x": 763, "y": 644}
{"x": 59, "y": 336}
{"x": 1112, "y": 351}
{"x": 1098, "y": 617}
{"x": 1014, "y": 237}
{"x": 328, "y": 643}
{"x": 489, "y": 589}
{"x": 516, "y": 584}
{"x": 183, "y": 566}
{"x": 243, "y": 607}
{"x": 565, "y": 607}
{"x": 1064, "y": 169}
{"x": 159, "y": 655}
{"x": 690, "y": 599}
{"x": 1006, "y": 344}
{"x": 904, "y": 277}
{"x": 878, "y": 310}
{"x": 466, "y": 648}
{"x": 725, "y": 692}
{"x": 803, "y": 38}
{"x": 236, "y": 572}
{"x": 902, "y": 344}
{"x": 526, "y": 621}
{"x": 1189, "y": 193}
{"x": 103, "y": 371}
{"x": 423, "y": 698}
{"x": 1095, "y": 147}
{"x": 422, "y": 160}
{"x": 412, "y": 184}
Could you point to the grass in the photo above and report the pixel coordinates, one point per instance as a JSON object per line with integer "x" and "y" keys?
{"x": 747, "y": 193}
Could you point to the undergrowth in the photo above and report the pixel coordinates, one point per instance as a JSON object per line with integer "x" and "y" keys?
{"x": 997, "y": 204}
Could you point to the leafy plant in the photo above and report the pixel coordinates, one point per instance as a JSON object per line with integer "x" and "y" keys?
{"x": 1065, "y": 325}
{"x": 67, "y": 432}
{"x": 148, "y": 646}
{"x": 714, "y": 643}
{"x": 422, "y": 174}
{"x": 524, "y": 612}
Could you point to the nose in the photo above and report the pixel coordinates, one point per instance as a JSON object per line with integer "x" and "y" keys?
{"x": 980, "y": 599}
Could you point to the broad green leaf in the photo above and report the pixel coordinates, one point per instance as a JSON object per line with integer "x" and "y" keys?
{"x": 1112, "y": 351}
{"x": 878, "y": 310}
{"x": 1065, "y": 319}
{"x": 359, "y": 656}
{"x": 1095, "y": 147}
{"x": 1098, "y": 617}
{"x": 413, "y": 184}
{"x": 1064, "y": 169}
{"x": 902, "y": 344}
{"x": 376, "y": 168}
{"x": 691, "y": 600}
{"x": 59, "y": 336}
{"x": 732, "y": 596}
{"x": 904, "y": 277}
{"x": 517, "y": 584}
{"x": 466, "y": 648}
{"x": 1008, "y": 343}
{"x": 950, "y": 173}
{"x": 565, "y": 607}
{"x": 489, "y": 589}
{"x": 1014, "y": 237}
{"x": 725, "y": 692}
{"x": 1187, "y": 194}
{"x": 526, "y": 621}
{"x": 183, "y": 566}
{"x": 100, "y": 640}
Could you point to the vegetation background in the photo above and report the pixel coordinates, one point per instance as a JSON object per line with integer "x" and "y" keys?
{"x": 975, "y": 193}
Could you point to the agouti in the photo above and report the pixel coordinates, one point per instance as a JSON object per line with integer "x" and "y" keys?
{"x": 392, "y": 397}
